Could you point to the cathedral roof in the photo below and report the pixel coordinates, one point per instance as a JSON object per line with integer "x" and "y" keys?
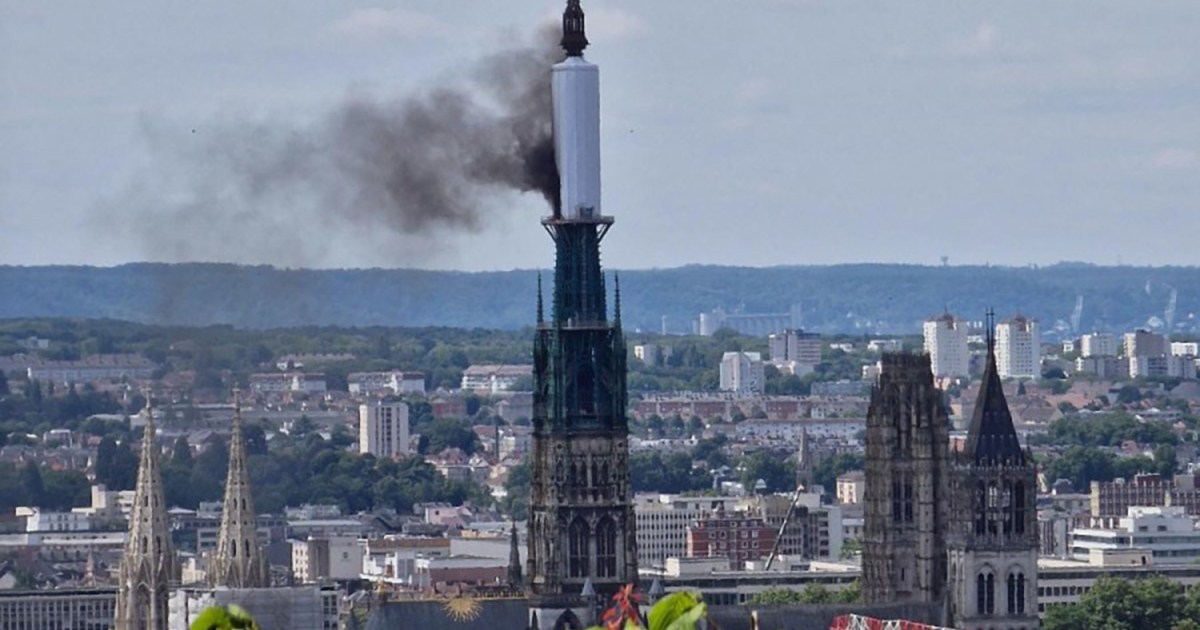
{"x": 991, "y": 438}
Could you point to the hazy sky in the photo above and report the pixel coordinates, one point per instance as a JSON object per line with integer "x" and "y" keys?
{"x": 751, "y": 132}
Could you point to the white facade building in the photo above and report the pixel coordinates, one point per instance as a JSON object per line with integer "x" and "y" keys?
{"x": 1185, "y": 349}
{"x": 393, "y": 382}
{"x": 946, "y": 343}
{"x": 1018, "y": 348}
{"x": 328, "y": 558}
{"x": 383, "y": 429}
{"x": 663, "y": 520}
{"x": 742, "y": 373}
{"x": 1167, "y": 532}
{"x": 39, "y": 520}
{"x": 492, "y": 379}
{"x": 1098, "y": 345}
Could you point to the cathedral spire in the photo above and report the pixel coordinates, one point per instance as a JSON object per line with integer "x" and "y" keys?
{"x": 617, "y": 300}
{"x": 148, "y": 564}
{"x": 540, "y": 310}
{"x": 239, "y": 562}
{"x": 515, "y": 578}
{"x": 991, "y": 438}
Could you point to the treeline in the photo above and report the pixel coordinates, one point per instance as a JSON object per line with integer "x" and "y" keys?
{"x": 840, "y": 298}
{"x": 292, "y": 470}
{"x": 1112, "y": 603}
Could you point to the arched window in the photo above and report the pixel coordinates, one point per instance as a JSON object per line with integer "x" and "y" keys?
{"x": 1019, "y": 507}
{"x": 1021, "y": 593}
{"x": 245, "y": 548}
{"x": 577, "y": 551}
{"x": 991, "y": 594}
{"x": 1012, "y": 593}
{"x": 980, "y": 594}
{"x": 606, "y": 548}
{"x": 233, "y": 549}
{"x": 896, "y": 509}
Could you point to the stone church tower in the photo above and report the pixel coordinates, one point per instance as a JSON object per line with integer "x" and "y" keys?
{"x": 148, "y": 564}
{"x": 581, "y": 543}
{"x": 239, "y": 562}
{"x": 993, "y": 542}
{"x": 907, "y": 492}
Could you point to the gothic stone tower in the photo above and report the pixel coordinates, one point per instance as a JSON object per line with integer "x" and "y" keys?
{"x": 148, "y": 564}
{"x": 907, "y": 498}
{"x": 581, "y": 524}
{"x": 993, "y": 541}
{"x": 239, "y": 562}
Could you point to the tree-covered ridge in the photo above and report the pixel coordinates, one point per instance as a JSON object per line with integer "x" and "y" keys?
{"x": 839, "y": 298}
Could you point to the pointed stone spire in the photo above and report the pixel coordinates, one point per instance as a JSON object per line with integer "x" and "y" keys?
{"x": 148, "y": 564}
{"x": 540, "y": 312}
{"x": 991, "y": 437}
{"x": 617, "y": 300}
{"x": 239, "y": 562}
{"x": 515, "y": 578}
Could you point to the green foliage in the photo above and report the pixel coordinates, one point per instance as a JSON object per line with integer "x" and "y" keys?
{"x": 233, "y": 618}
{"x": 446, "y": 433}
{"x": 516, "y": 499}
{"x": 677, "y": 611}
{"x": 779, "y": 472}
{"x": 811, "y": 594}
{"x": 1083, "y": 465}
{"x": 826, "y": 472}
{"x": 655, "y": 471}
{"x": 1112, "y": 603}
{"x": 1104, "y": 430}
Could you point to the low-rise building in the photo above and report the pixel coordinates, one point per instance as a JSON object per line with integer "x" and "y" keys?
{"x": 663, "y": 520}
{"x": 59, "y": 609}
{"x": 384, "y": 383}
{"x": 1168, "y": 534}
{"x": 738, "y": 537}
{"x": 492, "y": 379}
{"x": 326, "y": 558}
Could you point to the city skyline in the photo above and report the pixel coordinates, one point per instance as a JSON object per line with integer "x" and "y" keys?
{"x": 836, "y": 119}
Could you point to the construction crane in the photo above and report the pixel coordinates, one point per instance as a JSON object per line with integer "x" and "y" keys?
{"x": 782, "y": 526}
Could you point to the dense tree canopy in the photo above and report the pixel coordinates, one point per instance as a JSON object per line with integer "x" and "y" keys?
{"x": 1115, "y": 604}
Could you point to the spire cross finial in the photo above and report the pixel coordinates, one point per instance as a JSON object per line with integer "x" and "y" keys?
{"x": 573, "y": 38}
{"x": 991, "y": 328}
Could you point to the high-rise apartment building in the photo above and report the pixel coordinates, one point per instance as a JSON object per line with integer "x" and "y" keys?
{"x": 946, "y": 345}
{"x": 1143, "y": 343}
{"x": 1019, "y": 348}
{"x": 742, "y": 373}
{"x": 795, "y": 351}
{"x": 383, "y": 429}
{"x": 1098, "y": 345}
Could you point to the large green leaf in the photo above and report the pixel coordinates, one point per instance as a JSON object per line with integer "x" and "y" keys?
{"x": 671, "y": 608}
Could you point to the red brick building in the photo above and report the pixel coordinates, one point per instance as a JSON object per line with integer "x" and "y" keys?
{"x": 737, "y": 537}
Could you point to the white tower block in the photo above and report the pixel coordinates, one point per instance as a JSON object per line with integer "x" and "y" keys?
{"x": 575, "y": 85}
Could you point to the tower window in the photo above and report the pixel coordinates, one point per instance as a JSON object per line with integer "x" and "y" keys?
{"x": 1021, "y": 593}
{"x": 606, "y": 548}
{"x": 980, "y": 593}
{"x": 991, "y": 594}
{"x": 577, "y": 548}
{"x": 1012, "y": 593}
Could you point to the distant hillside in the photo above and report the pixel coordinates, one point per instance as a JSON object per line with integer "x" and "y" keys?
{"x": 842, "y": 298}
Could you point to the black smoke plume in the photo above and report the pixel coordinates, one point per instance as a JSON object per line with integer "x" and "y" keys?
{"x": 412, "y": 167}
